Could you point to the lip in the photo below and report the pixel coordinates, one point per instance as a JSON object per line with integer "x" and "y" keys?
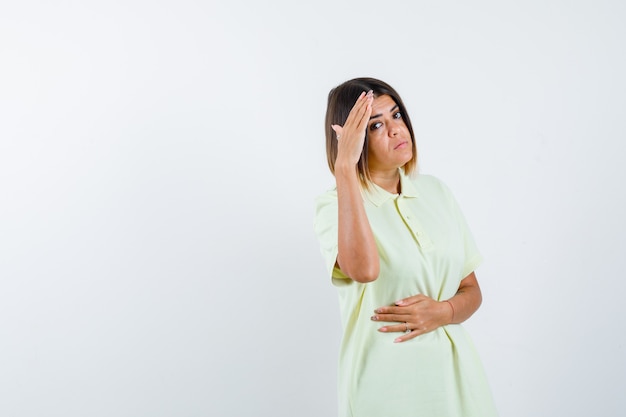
{"x": 401, "y": 145}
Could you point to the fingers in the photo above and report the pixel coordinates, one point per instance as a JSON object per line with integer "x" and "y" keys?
{"x": 360, "y": 113}
{"x": 367, "y": 111}
{"x": 362, "y": 104}
{"x": 405, "y": 322}
{"x": 358, "y": 116}
{"x": 402, "y": 327}
{"x": 410, "y": 300}
{"x": 391, "y": 317}
{"x": 403, "y": 306}
{"x": 351, "y": 135}
{"x": 408, "y": 334}
{"x": 356, "y": 111}
{"x": 413, "y": 316}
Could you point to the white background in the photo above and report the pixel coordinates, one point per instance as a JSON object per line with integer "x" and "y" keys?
{"x": 159, "y": 161}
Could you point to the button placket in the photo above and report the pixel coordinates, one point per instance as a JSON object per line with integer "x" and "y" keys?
{"x": 411, "y": 221}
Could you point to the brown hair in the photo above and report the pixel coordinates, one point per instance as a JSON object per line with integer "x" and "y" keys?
{"x": 341, "y": 99}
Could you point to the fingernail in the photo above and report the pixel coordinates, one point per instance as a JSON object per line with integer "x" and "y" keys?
{"x": 398, "y": 340}
{"x": 370, "y": 93}
{"x": 374, "y": 318}
{"x": 382, "y": 329}
{"x": 400, "y": 302}
{"x": 378, "y": 310}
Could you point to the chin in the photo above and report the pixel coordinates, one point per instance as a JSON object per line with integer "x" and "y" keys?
{"x": 407, "y": 160}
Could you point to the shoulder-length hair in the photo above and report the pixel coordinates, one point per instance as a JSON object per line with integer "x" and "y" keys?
{"x": 341, "y": 99}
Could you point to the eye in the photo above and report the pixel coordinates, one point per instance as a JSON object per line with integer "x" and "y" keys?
{"x": 375, "y": 126}
{"x": 397, "y": 115}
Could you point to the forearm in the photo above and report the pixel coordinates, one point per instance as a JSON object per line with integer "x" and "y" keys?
{"x": 357, "y": 254}
{"x": 466, "y": 301}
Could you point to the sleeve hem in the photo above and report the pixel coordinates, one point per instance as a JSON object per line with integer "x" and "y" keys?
{"x": 472, "y": 265}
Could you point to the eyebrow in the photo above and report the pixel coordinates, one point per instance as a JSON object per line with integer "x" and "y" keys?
{"x": 378, "y": 115}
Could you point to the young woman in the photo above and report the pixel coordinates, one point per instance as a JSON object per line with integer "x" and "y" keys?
{"x": 402, "y": 259}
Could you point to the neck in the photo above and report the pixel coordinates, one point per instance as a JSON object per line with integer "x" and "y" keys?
{"x": 387, "y": 180}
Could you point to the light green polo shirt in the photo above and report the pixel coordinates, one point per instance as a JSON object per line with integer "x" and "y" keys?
{"x": 425, "y": 247}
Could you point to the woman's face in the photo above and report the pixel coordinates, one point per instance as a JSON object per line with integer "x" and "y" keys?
{"x": 390, "y": 145}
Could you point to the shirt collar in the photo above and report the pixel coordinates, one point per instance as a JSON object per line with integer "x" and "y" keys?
{"x": 377, "y": 196}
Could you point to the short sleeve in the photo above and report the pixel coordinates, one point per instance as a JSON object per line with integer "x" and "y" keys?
{"x": 326, "y": 229}
{"x": 473, "y": 257}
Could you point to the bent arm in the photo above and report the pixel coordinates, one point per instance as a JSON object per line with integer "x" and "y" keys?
{"x": 357, "y": 253}
{"x": 421, "y": 314}
{"x": 466, "y": 300}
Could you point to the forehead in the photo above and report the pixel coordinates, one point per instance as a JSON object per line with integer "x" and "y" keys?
{"x": 383, "y": 104}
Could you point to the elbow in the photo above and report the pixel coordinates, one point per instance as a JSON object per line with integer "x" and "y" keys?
{"x": 479, "y": 299}
{"x": 364, "y": 279}
{"x": 365, "y": 275}
{"x": 363, "y": 270}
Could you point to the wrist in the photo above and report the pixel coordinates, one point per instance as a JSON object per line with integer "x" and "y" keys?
{"x": 345, "y": 168}
{"x": 451, "y": 311}
{"x": 346, "y": 173}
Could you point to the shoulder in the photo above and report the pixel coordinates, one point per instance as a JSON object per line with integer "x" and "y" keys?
{"x": 427, "y": 179}
{"x": 427, "y": 183}
{"x": 433, "y": 189}
{"x": 327, "y": 197}
{"x": 326, "y": 204}
{"x": 326, "y": 215}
